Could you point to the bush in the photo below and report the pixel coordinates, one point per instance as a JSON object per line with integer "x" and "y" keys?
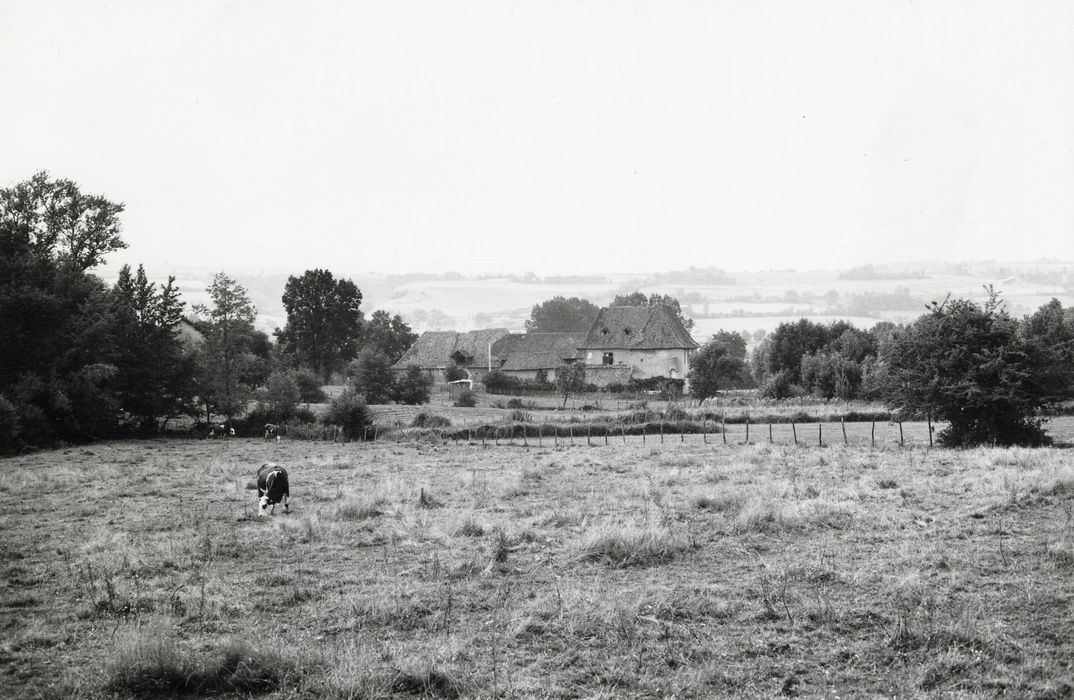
{"x": 454, "y": 374}
{"x": 309, "y": 387}
{"x": 350, "y": 413}
{"x": 430, "y": 420}
{"x": 466, "y": 399}
{"x": 413, "y": 387}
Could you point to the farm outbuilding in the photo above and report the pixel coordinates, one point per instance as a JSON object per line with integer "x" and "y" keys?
{"x": 624, "y": 343}
{"x": 649, "y": 340}
{"x": 436, "y": 351}
{"x": 523, "y": 355}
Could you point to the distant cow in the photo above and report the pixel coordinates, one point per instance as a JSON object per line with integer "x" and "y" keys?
{"x": 272, "y": 488}
{"x": 273, "y": 431}
{"x": 220, "y": 430}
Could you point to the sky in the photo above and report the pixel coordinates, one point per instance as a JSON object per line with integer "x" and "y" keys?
{"x": 553, "y": 137}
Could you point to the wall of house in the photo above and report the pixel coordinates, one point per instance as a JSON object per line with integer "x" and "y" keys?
{"x": 604, "y": 375}
{"x": 645, "y": 363}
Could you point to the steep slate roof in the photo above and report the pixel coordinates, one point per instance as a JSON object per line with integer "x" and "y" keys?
{"x": 529, "y": 351}
{"x": 434, "y": 348}
{"x": 638, "y": 328}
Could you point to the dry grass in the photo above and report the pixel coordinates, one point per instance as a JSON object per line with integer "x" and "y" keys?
{"x": 637, "y": 570}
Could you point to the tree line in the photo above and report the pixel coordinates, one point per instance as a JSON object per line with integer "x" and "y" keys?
{"x": 992, "y": 378}
{"x": 81, "y": 360}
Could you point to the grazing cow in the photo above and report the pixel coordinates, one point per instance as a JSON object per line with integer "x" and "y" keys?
{"x": 221, "y": 430}
{"x": 273, "y": 431}
{"x": 272, "y": 488}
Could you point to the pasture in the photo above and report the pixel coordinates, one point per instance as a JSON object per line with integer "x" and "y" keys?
{"x": 430, "y": 569}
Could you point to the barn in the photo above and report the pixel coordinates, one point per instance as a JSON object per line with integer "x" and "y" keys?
{"x": 638, "y": 342}
{"x": 436, "y": 351}
{"x": 523, "y": 355}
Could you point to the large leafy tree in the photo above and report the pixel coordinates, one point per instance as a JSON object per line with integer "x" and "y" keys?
{"x": 718, "y": 364}
{"x": 373, "y": 377}
{"x": 323, "y": 321}
{"x": 562, "y": 315}
{"x": 155, "y": 378}
{"x": 639, "y": 299}
{"x": 389, "y": 335}
{"x": 226, "y": 357}
{"x": 975, "y": 368}
{"x": 57, "y": 339}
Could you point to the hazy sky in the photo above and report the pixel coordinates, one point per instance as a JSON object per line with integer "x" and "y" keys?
{"x": 552, "y": 136}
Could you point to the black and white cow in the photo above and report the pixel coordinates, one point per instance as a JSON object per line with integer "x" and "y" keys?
{"x": 272, "y": 488}
{"x": 273, "y": 431}
{"x": 219, "y": 430}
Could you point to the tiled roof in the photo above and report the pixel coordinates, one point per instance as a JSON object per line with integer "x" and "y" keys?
{"x": 531, "y": 351}
{"x": 434, "y": 348}
{"x": 639, "y": 328}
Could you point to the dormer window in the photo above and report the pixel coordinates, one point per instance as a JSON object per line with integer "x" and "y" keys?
{"x": 604, "y": 331}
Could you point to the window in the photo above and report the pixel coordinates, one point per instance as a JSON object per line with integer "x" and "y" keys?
{"x": 609, "y": 358}
{"x": 626, "y": 332}
{"x": 604, "y": 331}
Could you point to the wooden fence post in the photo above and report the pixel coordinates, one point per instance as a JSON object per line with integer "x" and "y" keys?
{"x": 540, "y": 434}
{"x": 588, "y": 435}
{"x": 843, "y": 425}
{"x": 661, "y": 432}
{"x": 605, "y": 435}
{"x": 705, "y": 430}
{"x": 723, "y": 428}
{"x": 820, "y": 434}
{"x": 794, "y": 431}
{"x": 769, "y": 433}
{"x": 872, "y": 435}
{"x": 901, "y": 443}
{"x": 928, "y": 417}
{"x": 747, "y": 430}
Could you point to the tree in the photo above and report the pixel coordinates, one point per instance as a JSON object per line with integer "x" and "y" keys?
{"x": 280, "y": 396}
{"x": 52, "y": 220}
{"x": 639, "y": 299}
{"x": 58, "y": 340}
{"x": 570, "y": 379}
{"x": 717, "y": 365}
{"x": 323, "y": 321}
{"x": 790, "y": 342}
{"x": 413, "y": 387}
{"x": 389, "y": 335}
{"x": 562, "y": 315}
{"x": 972, "y": 367}
{"x": 155, "y": 377}
{"x": 226, "y": 352}
{"x": 373, "y": 377}
{"x": 349, "y": 413}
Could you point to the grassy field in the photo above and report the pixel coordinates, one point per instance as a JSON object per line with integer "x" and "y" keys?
{"x": 438, "y": 570}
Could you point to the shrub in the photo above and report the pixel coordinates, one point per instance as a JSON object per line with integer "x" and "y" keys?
{"x": 466, "y": 399}
{"x": 309, "y": 387}
{"x": 413, "y": 387}
{"x": 454, "y": 374}
{"x": 350, "y": 413}
{"x": 430, "y": 420}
